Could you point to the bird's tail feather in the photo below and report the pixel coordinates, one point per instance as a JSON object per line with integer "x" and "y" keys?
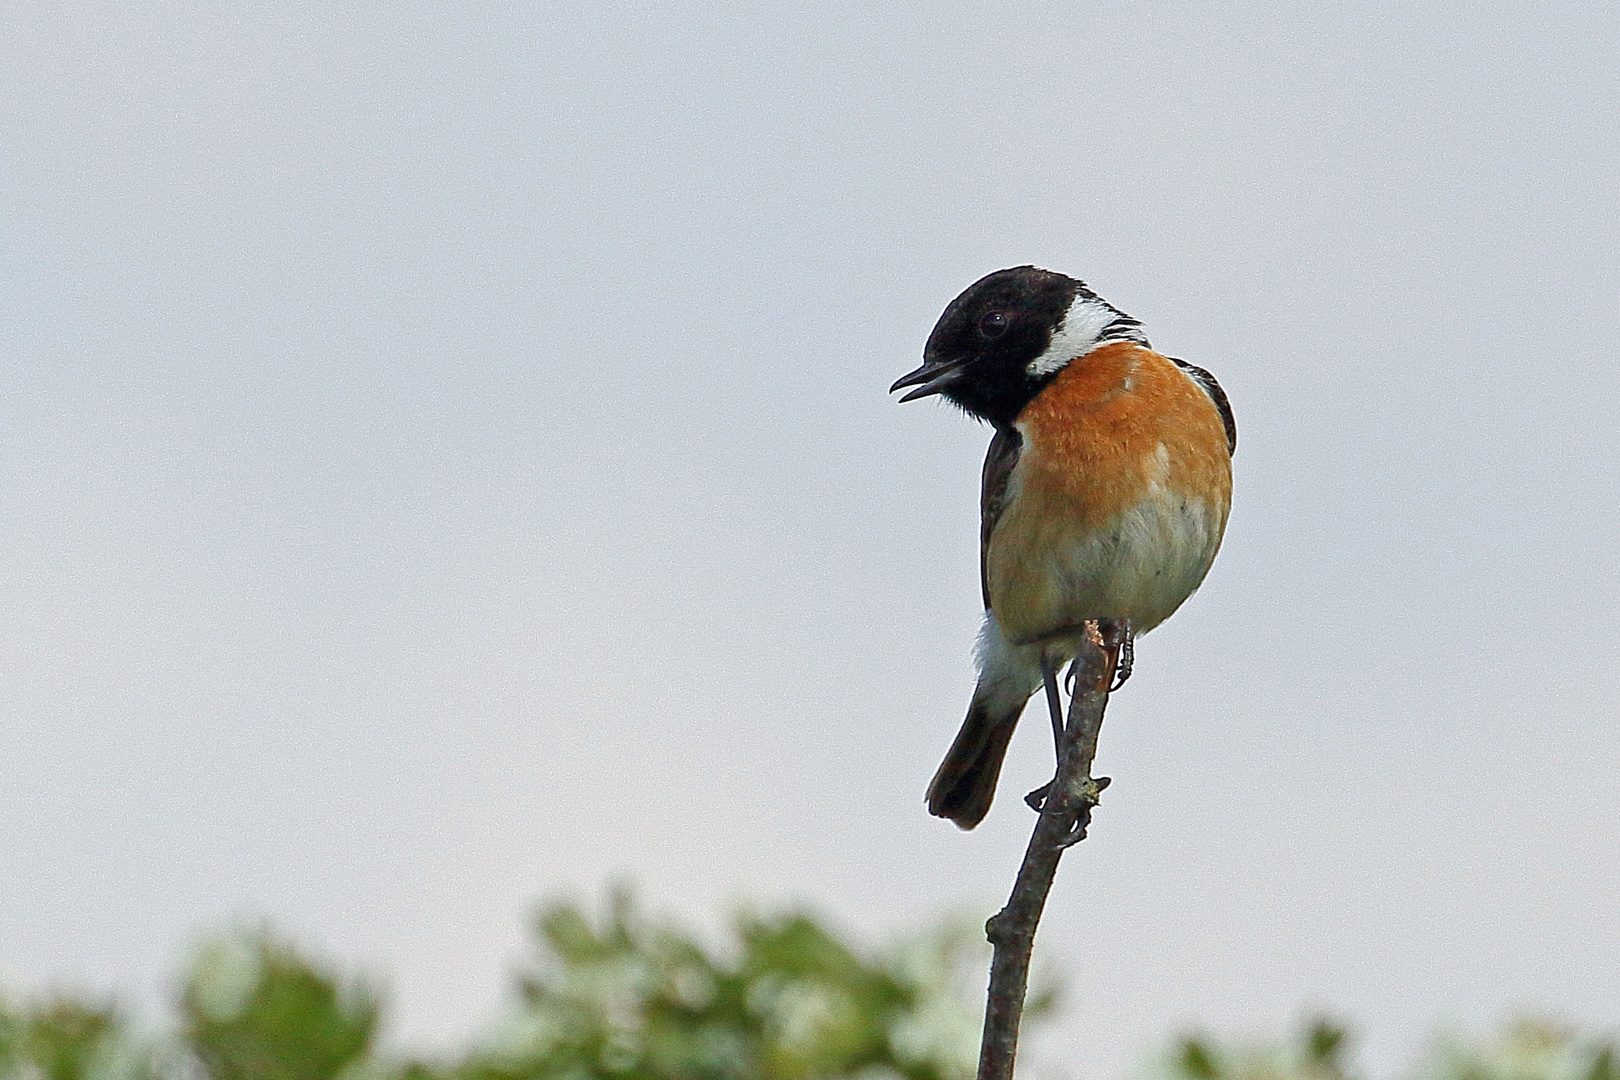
{"x": 966, "y": 780}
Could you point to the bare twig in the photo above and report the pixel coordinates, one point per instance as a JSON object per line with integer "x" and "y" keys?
{"x": 1065, "y": 813}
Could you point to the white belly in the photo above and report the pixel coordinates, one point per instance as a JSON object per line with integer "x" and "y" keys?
{"x": 1141, "y": 567}
{"x": 1049, "y": 574}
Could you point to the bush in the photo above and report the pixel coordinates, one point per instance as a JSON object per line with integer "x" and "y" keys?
{"x": 615, "y": 998}
{"x": 1523, "y": 1049}
{"x": 621, "y": 997}
{"x": 635, "y": 1000}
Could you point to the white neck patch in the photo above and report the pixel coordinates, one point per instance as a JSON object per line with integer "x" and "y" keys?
{"x": 1081, "y": 331}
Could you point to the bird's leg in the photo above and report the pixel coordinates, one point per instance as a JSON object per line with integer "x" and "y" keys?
{"x": 1054, "y": 705}
{"x": 1091, "y": 673}
{"x": 1121, "y": 642}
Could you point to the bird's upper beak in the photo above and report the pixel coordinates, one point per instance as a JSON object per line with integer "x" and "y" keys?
{"x": 934, "y": 376}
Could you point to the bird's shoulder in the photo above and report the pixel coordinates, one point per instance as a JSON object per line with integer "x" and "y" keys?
{"x": 1120, "y": 399}
{"x": 1108, "y": 429}
{"x": 1212, "y": 389}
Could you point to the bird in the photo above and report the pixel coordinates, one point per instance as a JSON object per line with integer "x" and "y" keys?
{"x": 1104, "y": 495}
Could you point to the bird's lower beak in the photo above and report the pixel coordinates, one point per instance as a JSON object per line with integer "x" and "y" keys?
{"x": 933, "y": 377}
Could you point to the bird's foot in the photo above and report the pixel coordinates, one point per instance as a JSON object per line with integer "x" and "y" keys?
{"x": 1116, "y": 636}
{"x": 1081, "y": 799}
{"x": 1122, "y": 642}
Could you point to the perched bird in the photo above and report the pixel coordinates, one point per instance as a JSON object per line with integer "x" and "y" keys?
{"x": 1105, "y": 492}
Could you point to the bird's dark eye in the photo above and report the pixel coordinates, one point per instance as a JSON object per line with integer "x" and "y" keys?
{"x": 993, "y": 325}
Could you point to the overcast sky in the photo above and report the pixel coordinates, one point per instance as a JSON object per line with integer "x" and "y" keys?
{"x": 445, "y": 460}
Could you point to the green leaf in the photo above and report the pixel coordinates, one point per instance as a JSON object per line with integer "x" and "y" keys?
{"x": 255, "y": 1008}
{"x": 1196, "y": 1060}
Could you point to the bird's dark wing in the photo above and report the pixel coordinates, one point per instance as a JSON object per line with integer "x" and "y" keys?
{"x": 998, "y": 467}
{"x": 1206, "y": 382}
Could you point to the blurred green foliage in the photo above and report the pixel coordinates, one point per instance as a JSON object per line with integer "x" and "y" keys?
{"x": 619, "y": 997}
{"x": 623, "y": 997}
{"x": 1524, "y": 1049}
{"x": 59, "y": 1038}
{"x": 1317, "y": 1052}
{"x": 786, "y": 999}
{"x": 254, "y": 1008}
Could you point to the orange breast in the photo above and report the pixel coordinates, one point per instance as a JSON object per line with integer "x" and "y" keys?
{"x": 1118, "y": 501}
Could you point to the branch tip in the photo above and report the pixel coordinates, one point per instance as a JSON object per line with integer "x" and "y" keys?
{"x": 1063, "y": 813}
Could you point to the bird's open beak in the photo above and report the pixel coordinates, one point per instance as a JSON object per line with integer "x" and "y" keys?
{"x": 934, "y": 377}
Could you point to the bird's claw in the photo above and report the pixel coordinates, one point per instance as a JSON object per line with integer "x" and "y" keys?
{"x": 1086, "y": 794}
{"x": 1119, "y": 638}
{"x": 1036, "y": 799}
{"x": 1075, "y": 834}
{"x": 1124, "y": 639}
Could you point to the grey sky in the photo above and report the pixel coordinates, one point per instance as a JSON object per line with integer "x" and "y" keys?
{"x": 444, "y": 459}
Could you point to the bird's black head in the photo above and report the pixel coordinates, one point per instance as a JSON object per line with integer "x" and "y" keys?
{"x": 1005, "y": 337}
